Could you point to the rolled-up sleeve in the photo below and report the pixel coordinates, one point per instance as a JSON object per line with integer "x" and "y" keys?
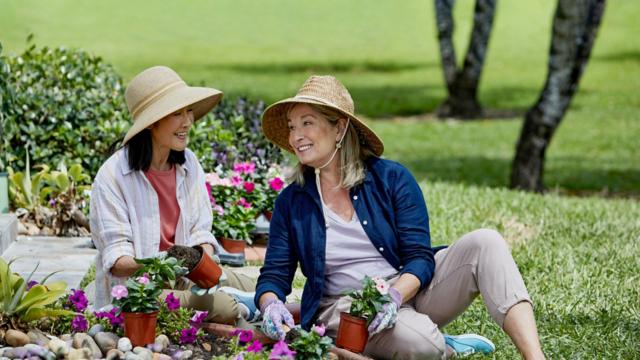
{"x": 280, "y": 261}
{"x": 110, "y": 224}
{"x": 200, "y": 232}
{"x": 412, "y": 221}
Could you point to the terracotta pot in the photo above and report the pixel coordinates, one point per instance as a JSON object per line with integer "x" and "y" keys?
{"x": 206, "y": 274}
{"x": 233, "y": 245}
{"x": 140, "y": 328}
{"x": 268, "y": 214}
{"x": 352, "y": 333}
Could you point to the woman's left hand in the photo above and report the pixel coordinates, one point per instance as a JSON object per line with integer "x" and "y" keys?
{"x": 389, "y": 314}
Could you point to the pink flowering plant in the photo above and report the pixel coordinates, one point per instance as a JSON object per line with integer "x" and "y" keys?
{"x": 369, "y": 300}
{"x": 244, "y": 346}
{"x": 312, "y": 345}
{"x": 138, "y": 294}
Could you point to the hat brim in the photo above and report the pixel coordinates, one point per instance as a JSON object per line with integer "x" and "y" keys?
{"x": 200, "y": 99}
{"x": 275, "y": 128}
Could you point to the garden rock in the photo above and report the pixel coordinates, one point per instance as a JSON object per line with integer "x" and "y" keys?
{"x": 159, "y": 356}
{"x": 114, "y": 354}
{"x": 65, "y": 337}
{"x": 95, "y": 329}
{"x": 161, "y": 343}
{"x": 16, "y": 338}
{"x": 80, "y": 354}
{"x": 131, "y": 356}
{"x": 16, "y": 353}
{"x": 39, "y": 351}
{"x": 59, "y": 347}
{"x": 124, "y": 344}
{"x": 185, "y": 355}
{"x": 89, "y": 343}
{"x": 37, "y": 337}
{"x": 144, "y": 354}
{"x": 106, "y": 341}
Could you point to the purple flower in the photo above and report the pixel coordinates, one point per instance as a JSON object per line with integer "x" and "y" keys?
{"x": 31, "y": 284}
{"x": 79, "y": 323}
{"x": 281, "y": 350}
{"x": 319, "y": 329}
{"x": 188, "y": 336}
{"x": 198, "y": 317}
{"x": 119, "y": 291}
{"x": 255, "y": 346}
{"x": 245, "y": 336}
{"x": 173, "y": 303}
{"x": 78, "y": 300}
{"x": 276, "y": 184}
{"x": 239, "y": 357}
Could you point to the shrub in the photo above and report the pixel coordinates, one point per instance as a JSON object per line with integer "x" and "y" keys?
{"x": 59, "y": 104}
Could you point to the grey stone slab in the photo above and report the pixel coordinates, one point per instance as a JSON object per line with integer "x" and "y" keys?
{"x": 8, "y": 230}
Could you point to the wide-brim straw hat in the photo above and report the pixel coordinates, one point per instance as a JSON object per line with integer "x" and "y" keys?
{"x": 159, "y": 91}
{"x": 324, "y": 91}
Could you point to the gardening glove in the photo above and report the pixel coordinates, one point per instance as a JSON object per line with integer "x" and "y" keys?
{"x": 389, "y": 314}
{"x": 274, "y": 317}
{"x": 196, "y": 290}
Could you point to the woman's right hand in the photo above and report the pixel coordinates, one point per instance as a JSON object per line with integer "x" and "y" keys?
{"x": 274, "y": 317}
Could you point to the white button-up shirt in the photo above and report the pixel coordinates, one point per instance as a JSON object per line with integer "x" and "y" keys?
{"x": 125, "y": 215}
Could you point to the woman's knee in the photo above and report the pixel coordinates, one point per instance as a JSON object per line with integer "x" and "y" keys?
{"x": 483, "y": 239}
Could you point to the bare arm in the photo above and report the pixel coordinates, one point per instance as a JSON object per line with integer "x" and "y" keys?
{"x": 125, "y": 266}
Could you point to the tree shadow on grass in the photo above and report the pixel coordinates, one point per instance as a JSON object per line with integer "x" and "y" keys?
{"x": 629, "y": 55}
{"x": 324, "y": 67}
{"x": 563, "y": 175}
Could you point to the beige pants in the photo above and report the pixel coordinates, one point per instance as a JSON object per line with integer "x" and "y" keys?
{"x": 222, "y": 307}
{"x": 478, "y": 263}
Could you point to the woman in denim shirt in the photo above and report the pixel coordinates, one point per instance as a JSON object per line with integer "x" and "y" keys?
{"x": 349, "y": 213}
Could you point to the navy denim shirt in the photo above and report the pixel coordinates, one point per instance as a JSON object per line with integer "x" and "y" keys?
{"x": 393, "y": 214}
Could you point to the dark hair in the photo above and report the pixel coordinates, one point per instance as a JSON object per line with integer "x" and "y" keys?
{"x": 141, "y": 152}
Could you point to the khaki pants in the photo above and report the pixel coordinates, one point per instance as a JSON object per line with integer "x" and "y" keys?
{"x": 478, "y": 263}
{"x": 222, "y": 307}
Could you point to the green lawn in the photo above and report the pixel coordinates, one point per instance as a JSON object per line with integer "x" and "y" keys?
{"x": 579, "y": 256}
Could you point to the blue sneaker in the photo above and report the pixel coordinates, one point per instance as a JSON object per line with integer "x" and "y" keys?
{"x": 245, "y": 302}
{"x": 468, "y": 344}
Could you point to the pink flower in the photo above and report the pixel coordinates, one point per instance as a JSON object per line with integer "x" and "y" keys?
{"x": 173, "y": 303}
{"x": 144, "y": 279}
{"x": 119, "y": 291}
{"x": 214, "y": 180}
{"x": 319, "y": 329}
{"x": 219, "y": 210}
{"x": 243, "y": 202}
{"x": 198, "y": 317}
{"x": 249, "y": 187}
{"x": 245, "y": 336}
{"x": 383, "y": 288}
{"x": 276, "y": 183}
{"x": 244, "y": 168}
{"x": 255, "y": 346}
{"x": 236, "y": 180}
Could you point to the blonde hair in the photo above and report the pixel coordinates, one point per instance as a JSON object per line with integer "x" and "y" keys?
{"x": 352, "y": 154}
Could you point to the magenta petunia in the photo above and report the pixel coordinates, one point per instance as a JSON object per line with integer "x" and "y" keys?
{"x": 245, "y": 336}
{"x": 236, "y": 181}
{"x": 319, "y": 329}
{"x": 276, "y": 183}
{"x": 281, "y": 351}
{"x": 79, "y": 323}
{"x": 173, "y": 303}
{"x": 199, "y": 317}
{"x": 255, "y": 346}
{"x": 188, "y": 335}
{"x": 244, "y": 203}
{"x": 78, "y": 300}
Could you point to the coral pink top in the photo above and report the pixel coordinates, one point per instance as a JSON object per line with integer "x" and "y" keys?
{"x": 164, "y": 182}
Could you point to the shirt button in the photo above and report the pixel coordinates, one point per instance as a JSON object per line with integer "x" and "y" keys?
{"x": 400, "y": 267}
{"x": 364, "y": 222}
{"x": 355, "y": 197}
{"x": 381, "y": 249}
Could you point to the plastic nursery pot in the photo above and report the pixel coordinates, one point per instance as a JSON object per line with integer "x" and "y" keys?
{"x": 206, "y": 274}
{"x": 140, "y": 328}
{"x": 233, "y": 245}
{"x": 352, "y": 333}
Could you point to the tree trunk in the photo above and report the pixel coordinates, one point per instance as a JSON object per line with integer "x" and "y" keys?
{"x": 462, "y": 84}
{"x": 575, "y": 26}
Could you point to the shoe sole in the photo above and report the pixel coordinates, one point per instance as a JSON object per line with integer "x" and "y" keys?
{"x": 476, "y": 337}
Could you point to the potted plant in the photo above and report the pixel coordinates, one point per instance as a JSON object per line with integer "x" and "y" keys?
{"x": 138, "y": 300}
{"x": 200, "y": 267}
{"x": 366, "y": 303}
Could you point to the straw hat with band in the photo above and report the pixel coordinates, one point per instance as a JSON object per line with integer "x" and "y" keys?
{"x": 159, "y": 91}
{"x": 325, "y": 91}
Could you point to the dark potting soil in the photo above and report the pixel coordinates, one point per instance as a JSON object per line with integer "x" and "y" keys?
{"x": 189, "y": 256}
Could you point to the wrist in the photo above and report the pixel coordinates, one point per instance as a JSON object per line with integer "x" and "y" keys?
{"x": 268, "y": 302}
{"x": 395, "y": 295}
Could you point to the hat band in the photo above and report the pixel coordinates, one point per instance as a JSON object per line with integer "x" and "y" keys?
{"x": 310, "y": 97}
{"x": 151, "y": 98}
